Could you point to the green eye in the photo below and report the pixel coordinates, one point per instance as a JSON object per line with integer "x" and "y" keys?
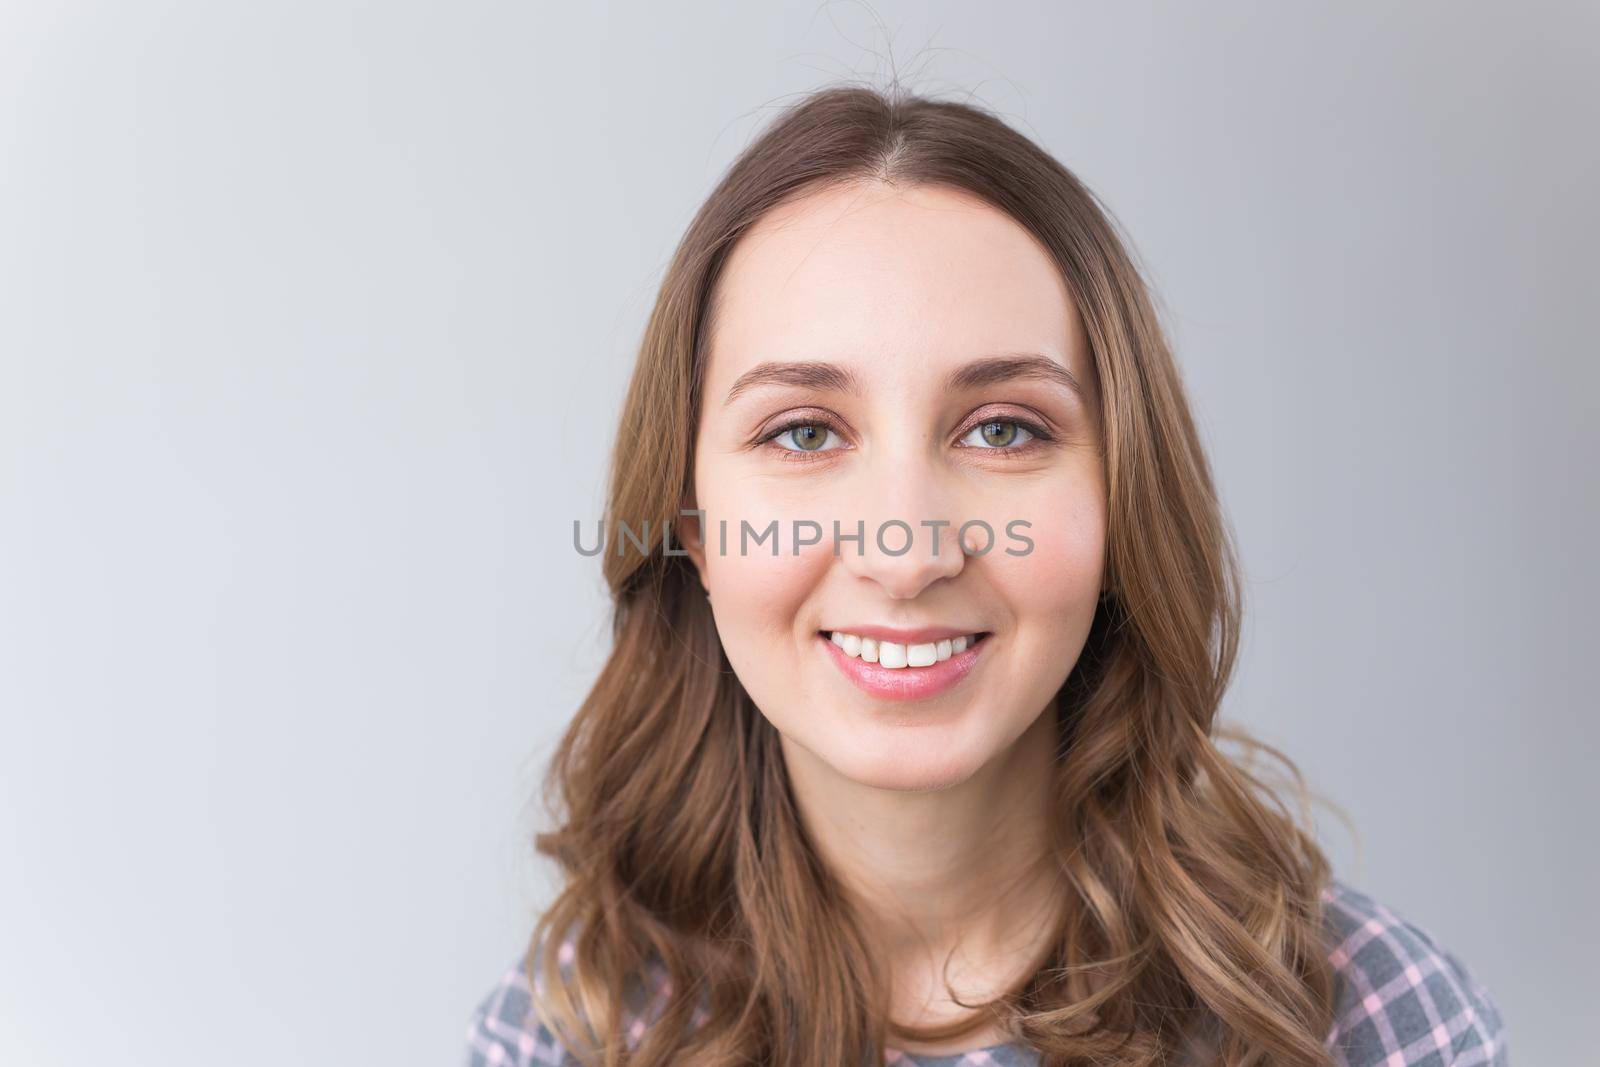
{"x": 804, "y": 437}
{"x": 998, "y": 433}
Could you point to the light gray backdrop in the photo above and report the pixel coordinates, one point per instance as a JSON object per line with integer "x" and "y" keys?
{"x": 314, "y": 319}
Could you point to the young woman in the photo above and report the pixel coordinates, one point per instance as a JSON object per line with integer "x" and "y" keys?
{"x": 907, "y": 747}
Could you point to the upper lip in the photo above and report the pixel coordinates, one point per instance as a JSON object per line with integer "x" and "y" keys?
{"x": 913, "y": 636}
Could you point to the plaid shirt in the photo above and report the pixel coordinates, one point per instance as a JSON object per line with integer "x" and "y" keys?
{"x": 1403, "y": 1000}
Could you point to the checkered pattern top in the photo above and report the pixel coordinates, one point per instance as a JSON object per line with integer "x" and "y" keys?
{"x": 1403, "y": 1001}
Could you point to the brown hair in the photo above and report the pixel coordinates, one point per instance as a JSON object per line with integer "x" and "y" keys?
{"x": 1192, "y": 892}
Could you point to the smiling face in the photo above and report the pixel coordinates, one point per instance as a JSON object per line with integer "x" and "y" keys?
{"x": 899, "y": 354}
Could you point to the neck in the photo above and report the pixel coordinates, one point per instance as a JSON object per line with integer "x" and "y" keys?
{"x": 965, "y": 867}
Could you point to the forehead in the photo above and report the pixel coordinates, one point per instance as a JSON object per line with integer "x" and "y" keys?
{"x": 868, "y": 272}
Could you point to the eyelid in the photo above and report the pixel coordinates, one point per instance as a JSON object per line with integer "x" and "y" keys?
{"x": 1036, "y": 425}
{"x": 1038, "y": 428}
{"x": 765, "y": 438}
{"x": 799, "y": 417}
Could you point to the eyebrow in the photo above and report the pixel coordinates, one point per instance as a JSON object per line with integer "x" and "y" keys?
{"x": 831, "y": 377}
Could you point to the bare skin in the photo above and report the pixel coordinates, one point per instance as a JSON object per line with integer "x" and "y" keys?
{"x": 926, "y": 808}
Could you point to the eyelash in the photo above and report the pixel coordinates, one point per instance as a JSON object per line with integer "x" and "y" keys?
{"x": 1040, "y": 437}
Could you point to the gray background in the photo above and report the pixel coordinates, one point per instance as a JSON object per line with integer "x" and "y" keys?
{"x": 314, "y": 320}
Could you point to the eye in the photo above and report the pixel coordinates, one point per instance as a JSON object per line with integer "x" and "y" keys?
{"x": 999, "y": 434}
{"x": 805, "y": 437}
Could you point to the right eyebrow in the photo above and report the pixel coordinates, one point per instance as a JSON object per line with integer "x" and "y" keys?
{"x": 807, "y": 374}
{"x": 991, "y": 370}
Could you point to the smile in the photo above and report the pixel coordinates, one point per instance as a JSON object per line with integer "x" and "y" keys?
{"x": 892, "y": 670}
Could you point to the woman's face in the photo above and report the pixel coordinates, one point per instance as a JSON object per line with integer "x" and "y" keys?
{"x": 905, "y": 355}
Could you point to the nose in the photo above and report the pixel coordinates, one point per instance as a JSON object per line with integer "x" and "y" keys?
{"x": 908, "y": 542}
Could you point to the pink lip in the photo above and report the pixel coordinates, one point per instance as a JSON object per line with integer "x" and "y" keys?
{"x": 916, "y": 636}
{"x": 904, "y": 683}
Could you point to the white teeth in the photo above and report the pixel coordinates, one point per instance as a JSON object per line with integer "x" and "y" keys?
{"x": 896, "y": 656}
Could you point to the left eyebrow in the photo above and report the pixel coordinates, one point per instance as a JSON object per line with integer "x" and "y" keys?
{"x": 989, "y": 370}
{"x": 992, "y": 370}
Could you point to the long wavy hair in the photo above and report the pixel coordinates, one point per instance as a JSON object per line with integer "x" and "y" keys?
{"x": 1192, "y": 893}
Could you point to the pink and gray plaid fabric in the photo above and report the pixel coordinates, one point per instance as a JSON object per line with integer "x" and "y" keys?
{"x": 1403, "y": 1001}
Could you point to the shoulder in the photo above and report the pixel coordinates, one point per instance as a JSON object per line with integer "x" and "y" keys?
{"x": 506, "y": 1031}
{"x": 1402, "y": 998}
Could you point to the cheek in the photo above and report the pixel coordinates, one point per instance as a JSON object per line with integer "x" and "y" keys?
{"x": 766, "y": 589}
{"x": 1058, "y": 579}
{"x": 758, "y": 583}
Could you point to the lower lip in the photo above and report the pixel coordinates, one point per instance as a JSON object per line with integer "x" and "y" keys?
{"x": 905, "y": 683}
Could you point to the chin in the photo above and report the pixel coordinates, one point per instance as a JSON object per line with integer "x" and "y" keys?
{"x": 907, "y": 768}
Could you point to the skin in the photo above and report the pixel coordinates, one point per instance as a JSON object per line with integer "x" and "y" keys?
{"x": 932, "y": 812}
